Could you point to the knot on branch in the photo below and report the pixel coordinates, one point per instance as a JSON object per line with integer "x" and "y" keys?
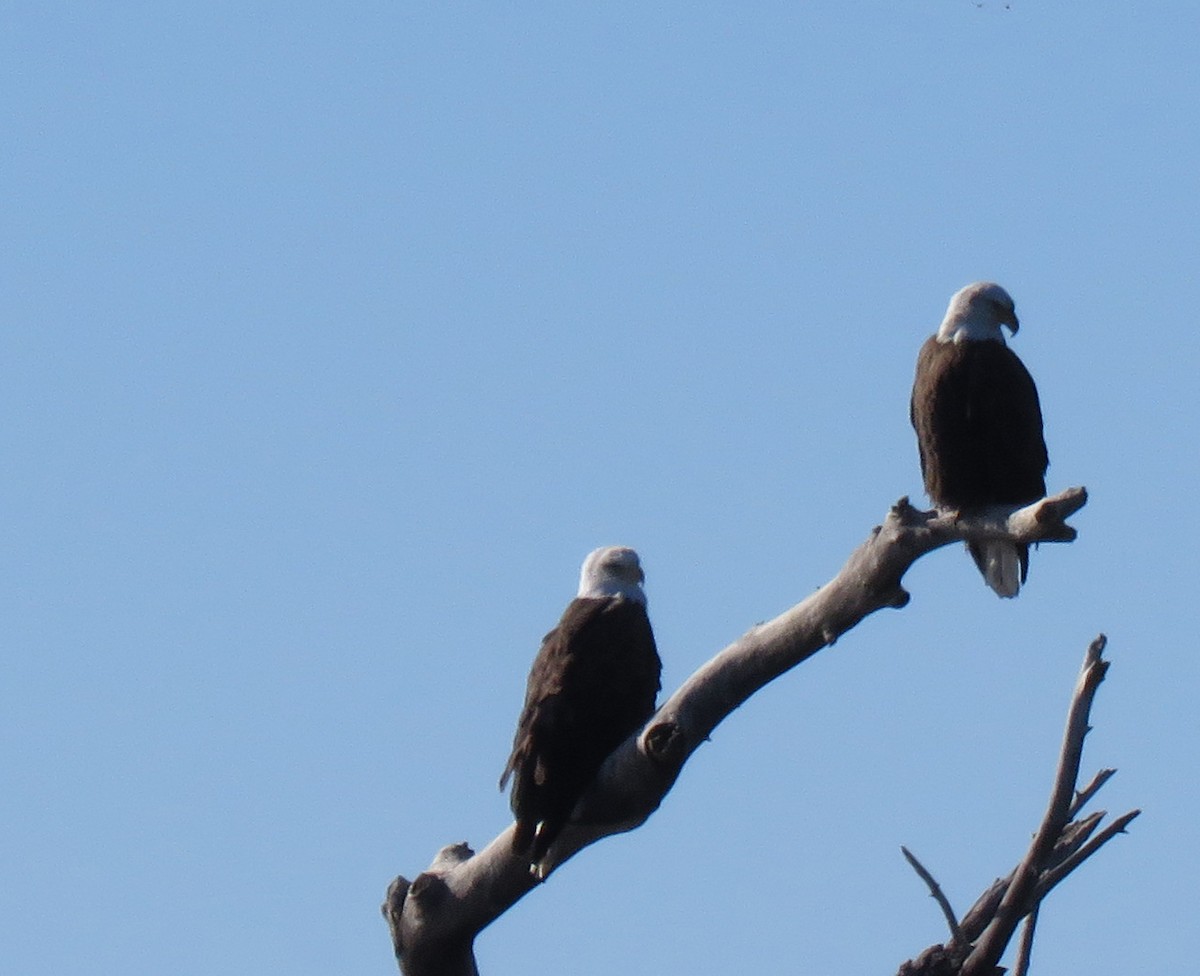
{"x": 451, "y": 855}
{"x": 905, "y": 514}
{"x": 428, "y": 890}
{"x": 393, "y": 909}
{"x": 665, "y": 744}
{"x": 393, "y": 901}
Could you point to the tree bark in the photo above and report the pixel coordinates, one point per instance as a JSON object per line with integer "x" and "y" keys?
{"x": 434, "y": 920}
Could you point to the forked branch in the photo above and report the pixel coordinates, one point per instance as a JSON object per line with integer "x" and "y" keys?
{"x": 1060, "y": 845}
{"x": 434, "y": 920}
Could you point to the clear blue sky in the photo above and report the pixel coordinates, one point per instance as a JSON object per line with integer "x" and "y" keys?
{"x": 337, "y": 334}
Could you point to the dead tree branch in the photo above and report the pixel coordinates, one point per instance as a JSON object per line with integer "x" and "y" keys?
{"x": 1059, "y": 846}
{"x": 434, "y": 920}
{"x": 935, "y": 891}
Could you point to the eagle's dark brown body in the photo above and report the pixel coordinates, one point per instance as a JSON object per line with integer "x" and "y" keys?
{"x": 593, "y": 683}
{"x": 979, "y": 428}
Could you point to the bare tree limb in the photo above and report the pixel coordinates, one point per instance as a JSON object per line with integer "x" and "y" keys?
{"x": 1025, "y": 949}
{"x": 1016, "y": 902}
{"x": 935, "y": 891}
{"x": 1069, "y": 864}
{"x": 435, "y": 919}
{"x": 1058, "y": 847}
{"x": 1082, "y": 797}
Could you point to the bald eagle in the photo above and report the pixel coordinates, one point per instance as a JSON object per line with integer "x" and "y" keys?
{"x": 592, "y": 685}
{"x": 979, "y": 424}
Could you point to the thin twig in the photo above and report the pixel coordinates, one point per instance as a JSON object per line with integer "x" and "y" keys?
{"x": 1083, "y": 796}
{"x": 1060, "y": 871}
{"x": 1025, "y": 950}
{"x": 1073, "y": 837}
{"x": 935, "y": 890}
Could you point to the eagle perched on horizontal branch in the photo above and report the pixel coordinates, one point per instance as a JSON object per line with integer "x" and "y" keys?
{"x": 979, "y": 424}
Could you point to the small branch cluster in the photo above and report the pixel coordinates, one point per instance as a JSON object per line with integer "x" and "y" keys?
{"x": 434, "y": 919}
{"x": 1060, "y": 845}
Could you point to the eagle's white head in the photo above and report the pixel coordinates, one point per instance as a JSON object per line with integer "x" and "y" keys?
{"x": 613, "y": 571}
{"x": 977, "y": 312}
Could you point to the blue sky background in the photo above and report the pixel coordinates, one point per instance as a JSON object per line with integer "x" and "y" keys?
{"x": 337, "y": 335}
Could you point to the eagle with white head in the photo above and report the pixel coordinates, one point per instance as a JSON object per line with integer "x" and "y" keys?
{"x": 592, "y": 685}
{"x": 979, "y": 423}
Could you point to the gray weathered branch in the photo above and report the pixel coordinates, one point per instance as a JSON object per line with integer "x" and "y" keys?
{"x": 435, "y": 918}
{"x": 1059, "y": 846}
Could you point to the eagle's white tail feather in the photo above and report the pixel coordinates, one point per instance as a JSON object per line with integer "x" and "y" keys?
{"x": 1002, "y": 567}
